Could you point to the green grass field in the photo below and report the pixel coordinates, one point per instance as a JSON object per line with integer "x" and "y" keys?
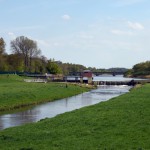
{"x": 15, "y": 93}
{"x": 122, "y": 123}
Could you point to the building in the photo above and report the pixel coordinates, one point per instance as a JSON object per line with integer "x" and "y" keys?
{"x": 87, "y": 73}
{"x": 87, "y": 77}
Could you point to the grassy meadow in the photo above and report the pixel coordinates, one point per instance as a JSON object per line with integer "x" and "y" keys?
{"x": 122, "y": 123}
{"x": 15, "y": 93}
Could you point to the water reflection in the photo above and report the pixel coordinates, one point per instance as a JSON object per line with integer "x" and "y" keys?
{"x": 51, "y": 109}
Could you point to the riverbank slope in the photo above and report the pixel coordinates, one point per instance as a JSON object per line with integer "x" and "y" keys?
{"x": 120, "y": 123}
{"x": 15, "y": 93}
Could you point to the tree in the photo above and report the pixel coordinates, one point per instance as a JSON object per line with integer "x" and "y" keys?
{"x": 3, "y": 64}
{"x": 53, "y": 68}
{"x": 129, "y": 73}
{"x": 2, "y": 46}
{"x": 141, "y": 69}
{"x": 15, "y": 63}
{"x": 27, "y": 48}
{"x": 44, "y": 64}
{"x": 71, "y": 69}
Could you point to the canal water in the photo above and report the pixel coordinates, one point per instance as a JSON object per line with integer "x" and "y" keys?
{"x": 51, "y": 109}
{"x": 116, "y": 78}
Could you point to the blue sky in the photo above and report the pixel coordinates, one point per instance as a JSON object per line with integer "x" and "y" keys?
{"x": 96, "y": 33}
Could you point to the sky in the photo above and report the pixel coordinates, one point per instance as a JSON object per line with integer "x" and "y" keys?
{"x": 94, "y": 33}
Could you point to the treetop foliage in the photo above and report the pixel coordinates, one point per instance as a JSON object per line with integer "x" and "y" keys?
{"x": 2, "y": 46}
{"x": 139, "y": 70}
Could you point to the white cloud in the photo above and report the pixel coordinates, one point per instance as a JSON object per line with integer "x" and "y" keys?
{"x": 120, "y": 32}
{"x": 50, "y": 43}
{"x": 12, "y": 35}
{"x": 135, "y": 25}
{"x": 66, "y": 17}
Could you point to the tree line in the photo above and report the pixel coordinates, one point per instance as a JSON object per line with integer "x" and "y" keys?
{"x": 26, "y": 57}
{"x": 139, "y": 70}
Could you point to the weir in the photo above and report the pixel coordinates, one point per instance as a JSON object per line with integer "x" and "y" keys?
{"x": 129, "y": 83}
{"x": 88, "y": 77}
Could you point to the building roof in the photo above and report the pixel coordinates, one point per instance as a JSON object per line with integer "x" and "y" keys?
{"x": 87, "y": 71}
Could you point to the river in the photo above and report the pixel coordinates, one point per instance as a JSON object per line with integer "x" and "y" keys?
{"x": 51, "y": 109}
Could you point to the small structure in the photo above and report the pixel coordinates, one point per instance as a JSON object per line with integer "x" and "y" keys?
{"x": 87, "y": 77}
{"x": 87, "y": 73}
{"x": 72, "y": 79}
{"x": 36, "y": 80}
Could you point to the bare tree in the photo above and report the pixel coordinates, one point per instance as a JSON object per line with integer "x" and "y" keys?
{"x": 27, "y": 48}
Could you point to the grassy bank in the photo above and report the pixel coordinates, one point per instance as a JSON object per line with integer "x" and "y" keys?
{"x": 15, "y": 93}
{"x": 122, "y": 123}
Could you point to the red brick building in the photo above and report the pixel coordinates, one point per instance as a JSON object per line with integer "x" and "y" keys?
{"x": 87, "y": 73}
